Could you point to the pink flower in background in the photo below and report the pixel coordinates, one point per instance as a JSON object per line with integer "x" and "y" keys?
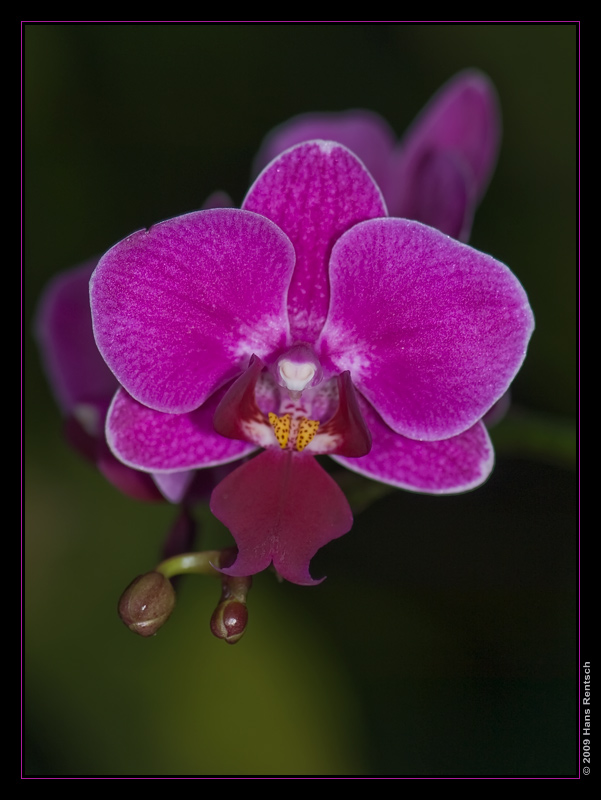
{"x": 83, "y": 387}
{"x": 439, "y": 171}
{"x": 307, "y": 322}
{"x": 82, "y": 384}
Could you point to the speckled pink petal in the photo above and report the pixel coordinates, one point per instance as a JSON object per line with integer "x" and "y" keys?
{"x": 314, "y": 192}
{"x": 157, "y": 442}
{"x": 178, "y": 309}
{"x": 448, "y": 466}
{"x": 280, "y": 507}
{"x": 75, "y": 369}
{"x": 365, "y": 133}
{"x": 432, "y": 331}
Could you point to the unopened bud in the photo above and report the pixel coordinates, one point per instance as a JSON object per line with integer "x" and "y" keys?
{"x": 231, "y": 615}
{"x": 229, "y": 621}
{"x": 147, "y": 603}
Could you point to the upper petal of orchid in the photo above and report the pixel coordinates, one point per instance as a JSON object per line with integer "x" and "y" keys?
{"x": 447, "y": 466}
{"x": 432, "y": 331}
{"x": 76, "y": 371}
{"x": 314, "y": 192}
{"x": 365, "y": 133}
{"x": 281, "y": 507}
{"x": 177, "y": 309}
{"x": 153, "y": 441}
{"x": 463, "y": 120}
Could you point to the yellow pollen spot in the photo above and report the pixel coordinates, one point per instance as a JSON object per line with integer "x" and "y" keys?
{"x": 281, "y": 427}
{"x": 307, "y": 428}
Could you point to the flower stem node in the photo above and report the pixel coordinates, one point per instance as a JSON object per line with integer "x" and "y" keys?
{"x": 147, "y": 603}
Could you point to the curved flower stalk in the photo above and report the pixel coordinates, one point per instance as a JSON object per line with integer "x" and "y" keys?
{"x": 439, "y": 171}
{"x": 307, "y": 322}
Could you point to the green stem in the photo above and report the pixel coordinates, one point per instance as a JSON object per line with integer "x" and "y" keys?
{"x": 194, "y": 563}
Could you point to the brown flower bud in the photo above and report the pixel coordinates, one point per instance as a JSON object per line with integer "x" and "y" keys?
{"x": 147, "y": 603}
{"x": 229, "y": 621}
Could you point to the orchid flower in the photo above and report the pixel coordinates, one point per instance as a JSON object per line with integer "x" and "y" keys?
{"x": 306, "y": 322}
{"x": 438, "y": 173}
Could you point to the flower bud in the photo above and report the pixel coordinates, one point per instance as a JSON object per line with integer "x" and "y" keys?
{"x": 229, "y": 621}
{"x": 231, "y": 615}
{"x": 147, "y": 603}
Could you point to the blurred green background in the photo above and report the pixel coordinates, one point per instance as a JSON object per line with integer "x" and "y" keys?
{"x": 444, "y": 640}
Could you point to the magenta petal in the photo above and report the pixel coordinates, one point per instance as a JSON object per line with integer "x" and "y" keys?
{"x": 314, "y": 192}
{"x": 76, "y": 371}
{"x": 448, "y": 466}
{"x": 463, "y": 119}
{"x": 156, "y": 442}
{"x": 432, "y": 331}
{"x": 178, "y": 309}
{"x": 280, "y": 507}
{"x": 365, "y": 134}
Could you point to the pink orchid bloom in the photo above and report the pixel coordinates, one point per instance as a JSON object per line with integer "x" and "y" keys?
{"x": 307, "y": 322}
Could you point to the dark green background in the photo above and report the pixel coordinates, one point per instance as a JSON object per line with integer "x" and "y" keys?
{"x": 444, "y": 639}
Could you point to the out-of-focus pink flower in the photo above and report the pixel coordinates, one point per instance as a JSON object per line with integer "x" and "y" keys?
{"x": 439, "y": 171}
{"x": 83, "y": 387}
